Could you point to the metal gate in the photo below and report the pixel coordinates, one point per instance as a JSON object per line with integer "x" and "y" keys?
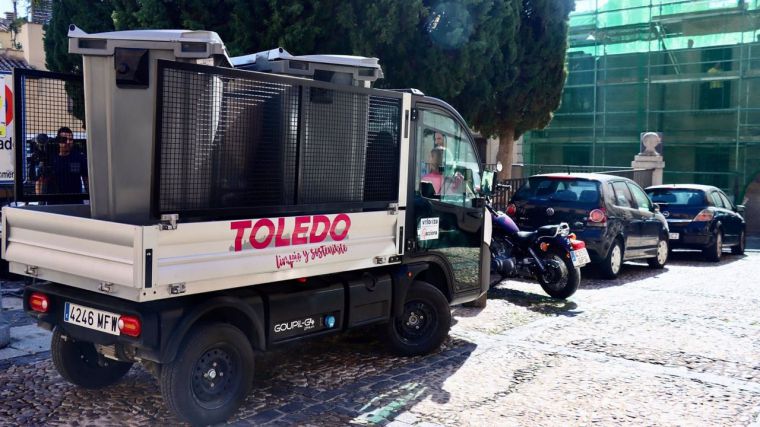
{"x": 49, "y": 167}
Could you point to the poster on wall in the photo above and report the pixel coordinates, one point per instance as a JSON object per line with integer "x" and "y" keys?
{"x": 6, "y": 128}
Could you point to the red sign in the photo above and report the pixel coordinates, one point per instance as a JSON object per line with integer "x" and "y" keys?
{"x": 306, "y": 230}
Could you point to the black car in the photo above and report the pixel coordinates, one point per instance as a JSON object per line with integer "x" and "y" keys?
{"x": 701, "y": 217}
{"x": 612, "y": 215}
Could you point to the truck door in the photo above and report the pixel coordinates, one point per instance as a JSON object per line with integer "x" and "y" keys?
{"x": 446, "y": 216}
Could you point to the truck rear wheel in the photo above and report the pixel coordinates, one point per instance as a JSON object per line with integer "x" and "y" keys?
{"x": 210, "y": 376}
{"x": 424, "y": 324}
{"x": 79, "y": 363}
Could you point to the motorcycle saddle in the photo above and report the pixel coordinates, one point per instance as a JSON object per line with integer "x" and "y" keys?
{"x": 529, "y": 236}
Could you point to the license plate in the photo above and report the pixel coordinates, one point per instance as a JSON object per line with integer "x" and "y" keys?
{"x": 91, "y": 318}
{"x": 580, "y": 257}
{"x": 674, "y": 236}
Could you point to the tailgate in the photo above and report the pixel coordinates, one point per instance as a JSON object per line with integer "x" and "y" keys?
{"x": 76, "y": 251}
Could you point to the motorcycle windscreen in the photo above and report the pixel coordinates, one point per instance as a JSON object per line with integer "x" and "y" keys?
{"x": 546, "y": 200}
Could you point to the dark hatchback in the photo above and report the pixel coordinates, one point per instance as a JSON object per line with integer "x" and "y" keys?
{"x": 612, "y": 215}
{"x": 701, "y": 217}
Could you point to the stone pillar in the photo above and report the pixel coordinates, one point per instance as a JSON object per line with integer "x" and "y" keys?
{"x": 644, "y": 161}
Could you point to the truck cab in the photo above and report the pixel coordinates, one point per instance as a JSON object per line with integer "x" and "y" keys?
{"x": 231, "y": 205}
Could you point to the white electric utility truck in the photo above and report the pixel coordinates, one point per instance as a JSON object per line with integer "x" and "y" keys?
{"x": 233, "y": 205}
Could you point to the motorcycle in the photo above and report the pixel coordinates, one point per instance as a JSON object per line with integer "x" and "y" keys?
{"x": 550, "y": 255}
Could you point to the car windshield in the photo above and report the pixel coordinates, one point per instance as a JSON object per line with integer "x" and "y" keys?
{"x": 677, "y": 196}
{"x": 560, "y": 189}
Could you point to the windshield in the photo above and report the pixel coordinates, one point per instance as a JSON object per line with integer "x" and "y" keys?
{"x": 677, "y": 196}
{"x": 559, "y": 189}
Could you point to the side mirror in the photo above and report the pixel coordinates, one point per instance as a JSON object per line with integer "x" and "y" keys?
{"x": 656, "y": 207}
{"x": 740, "y": 209}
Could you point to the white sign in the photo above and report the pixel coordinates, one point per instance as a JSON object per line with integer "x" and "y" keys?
{"x": 7, "y": 159}
{"x": 428, "y": 229}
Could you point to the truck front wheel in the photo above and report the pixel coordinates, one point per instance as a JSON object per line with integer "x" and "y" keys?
{"x": 424, "y": 324}
{"x": 211, "y": 375}
{"x": 79, "y": 363}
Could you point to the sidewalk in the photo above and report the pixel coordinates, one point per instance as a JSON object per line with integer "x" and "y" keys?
{"x": 26, "y": 337}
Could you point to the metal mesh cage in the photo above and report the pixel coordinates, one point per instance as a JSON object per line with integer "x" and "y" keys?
{"x": 49, "y": 168}
{"x": 225, "y": 142}
{"x": 236, "y": 140}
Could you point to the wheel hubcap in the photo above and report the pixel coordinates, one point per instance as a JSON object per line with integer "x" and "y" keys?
{"x": 615, "y": 260}
{"x": 662, "y": 252}
{"x": 417, "y": 322}
{"x": 214, "y": 376}
{"x": 719, "y": 244}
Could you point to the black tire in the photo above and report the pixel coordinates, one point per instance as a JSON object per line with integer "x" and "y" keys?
{"x": 610, "y": 267}
{"x": 739, "y": 248}
{"x": 563, "y": 278}
{"x": 481, "y": 302}
{"x": 714, "y": 252}
{"x": 663, "y": 253}
{"x": 79, "y": 363}
{"x": 425, "y": 323}
{"x": 194, "y": 385}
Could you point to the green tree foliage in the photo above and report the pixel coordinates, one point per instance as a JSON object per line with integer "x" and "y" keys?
{"x": 499, "y": 62}
{"x": 89, "y": 15}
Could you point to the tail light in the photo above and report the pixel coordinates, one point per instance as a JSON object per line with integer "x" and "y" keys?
{"x": 577, "y": 244}
{"x": 130, "y": 325}
{"x": 597, "y": 217}
{"x": 39, "y": 302}
{"x": 511, "y": 209}
{"x": 705, "y": 215}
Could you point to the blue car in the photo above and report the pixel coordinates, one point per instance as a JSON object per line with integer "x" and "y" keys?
{"x": 701, "y": 217}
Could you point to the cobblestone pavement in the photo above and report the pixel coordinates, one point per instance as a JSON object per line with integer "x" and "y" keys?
{"x": 679, "y": 346}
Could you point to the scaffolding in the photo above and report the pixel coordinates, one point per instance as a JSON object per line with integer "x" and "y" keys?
{"x": 687, "y": 68}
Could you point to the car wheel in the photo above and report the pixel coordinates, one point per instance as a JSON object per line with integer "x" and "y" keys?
{"x": 715, "y": 251}
{"x": 739, "y": 248}
{"x": 211, "y": 375}
{"x": 610, "y": 266}
{"x": 79, "y": 363}
{"x": 424, "y": 324}
{"x": 663, "y": 250}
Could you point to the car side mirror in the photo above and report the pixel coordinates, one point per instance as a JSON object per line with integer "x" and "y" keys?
{"x": 655, "y": 207}
{"x": 740, "y": 209}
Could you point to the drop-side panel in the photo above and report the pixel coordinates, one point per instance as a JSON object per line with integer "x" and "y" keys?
{"x": 81, "y": 252}
{"x": 208, "y": 256}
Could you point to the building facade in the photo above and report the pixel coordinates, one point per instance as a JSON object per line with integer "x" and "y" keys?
{"x": 689, "y": 69}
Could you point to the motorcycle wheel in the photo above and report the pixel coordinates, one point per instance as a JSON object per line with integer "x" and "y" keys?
{"x": 561, "y": 278}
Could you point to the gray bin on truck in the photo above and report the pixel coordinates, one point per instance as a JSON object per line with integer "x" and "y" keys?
{"x": 120, "y": 93}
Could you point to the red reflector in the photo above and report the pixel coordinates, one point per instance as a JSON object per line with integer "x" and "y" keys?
{"x": 597, "y": 216}
{"x": 577, "y": 244}
{"x": 39, "y": 302}
{"x": 511, "y": 209}
{"x": 130, "y": 325}
{"x": 301, "y": 280}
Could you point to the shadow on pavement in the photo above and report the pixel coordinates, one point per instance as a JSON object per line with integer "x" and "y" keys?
{"x": 630, "y": 272}
{"x": 696, "y": 259}
{"x": 349, "y": 379}
{"x": 534, "y": 302}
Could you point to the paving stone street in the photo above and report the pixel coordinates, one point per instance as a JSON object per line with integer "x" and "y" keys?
{"x": 679, "y": 346}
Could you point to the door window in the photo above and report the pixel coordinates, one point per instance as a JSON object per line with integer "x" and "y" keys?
{"x": 623, "y": 196}
{"x": 448, "y": 168}
{"x": 716, "y": 200}
{"x": 726, "y": 202}
{"x": 642, "y": 201}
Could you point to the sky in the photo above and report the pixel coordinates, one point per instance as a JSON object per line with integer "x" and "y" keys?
{"x": 7, "y": 6}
